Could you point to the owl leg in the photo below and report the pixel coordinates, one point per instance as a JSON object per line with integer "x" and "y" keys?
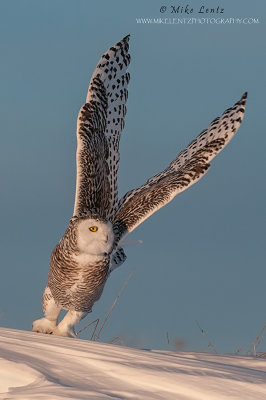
{"x": 66, "y": 326}
{"x": 51, "y": 311}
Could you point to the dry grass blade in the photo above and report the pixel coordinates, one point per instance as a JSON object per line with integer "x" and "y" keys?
{"x": 257, "y": 341}
{"x": 168, "y": 341}
{"x": 114, "y": 303}
{"x": 205, "y": 334}
{"x": 87, "y": 326}
{"x": 117, "y": 340}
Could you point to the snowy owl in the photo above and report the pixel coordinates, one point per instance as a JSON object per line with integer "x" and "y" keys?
{"x": 91, "y": 246}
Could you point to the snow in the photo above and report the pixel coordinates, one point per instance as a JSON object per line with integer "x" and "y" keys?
{"x": 37, "y": 366}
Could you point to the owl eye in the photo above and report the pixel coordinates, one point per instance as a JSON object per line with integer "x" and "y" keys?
{"x": 93, "y": 228}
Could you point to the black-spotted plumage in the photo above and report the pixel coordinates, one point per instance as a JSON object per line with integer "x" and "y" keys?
{"x": 100, "y": 122}
{"x": 91, "y": 247}
{"x": 188, "y": 167}
{"x": 74, "y": 285}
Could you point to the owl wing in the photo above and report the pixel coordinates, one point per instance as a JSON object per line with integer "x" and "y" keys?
{"x": 100, "y": 122}
{"x": 118, "y": 257}
{"x": 188, "y": 167}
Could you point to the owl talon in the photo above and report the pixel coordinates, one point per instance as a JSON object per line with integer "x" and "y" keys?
{"x": 64, "y": 332}
{"x": 66, "y": 326}
{"x": 43, "y": 325}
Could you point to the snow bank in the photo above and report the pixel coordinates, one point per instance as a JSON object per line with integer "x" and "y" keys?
{"x": 36, "y": 366}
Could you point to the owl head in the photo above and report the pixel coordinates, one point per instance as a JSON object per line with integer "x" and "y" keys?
{"x": 94, "y": 235}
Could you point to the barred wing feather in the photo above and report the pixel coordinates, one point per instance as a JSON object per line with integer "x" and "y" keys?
{"x": 188, "y": 167}
{"x": 99, "y": 125}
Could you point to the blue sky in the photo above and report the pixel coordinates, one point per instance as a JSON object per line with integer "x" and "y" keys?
{"x": 203, "y": 255}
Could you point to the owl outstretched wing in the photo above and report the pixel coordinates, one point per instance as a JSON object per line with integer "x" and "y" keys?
{"x": 188, "y": 167}
{"x": 99, "y": 125}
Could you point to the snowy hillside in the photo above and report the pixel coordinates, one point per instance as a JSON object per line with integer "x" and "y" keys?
{"x": 35, "y": 366}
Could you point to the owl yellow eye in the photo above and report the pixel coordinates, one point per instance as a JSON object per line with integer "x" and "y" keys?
{"x": 93, "y": 229}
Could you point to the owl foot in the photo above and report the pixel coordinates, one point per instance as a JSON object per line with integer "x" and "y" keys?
{"x": 43, "y": 325}
{"x": 66, "y": 326}
{"x": 64, "y": 331}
